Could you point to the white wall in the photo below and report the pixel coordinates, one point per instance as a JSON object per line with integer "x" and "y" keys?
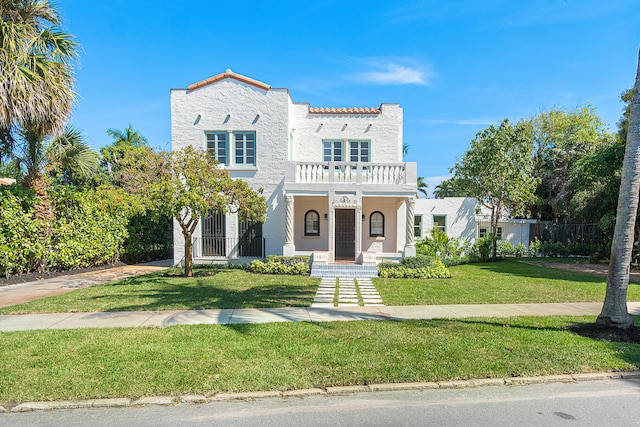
{"x": 206, "y": 109}
{"x": 309, "y": 130}
{"x": 460, "y": 213}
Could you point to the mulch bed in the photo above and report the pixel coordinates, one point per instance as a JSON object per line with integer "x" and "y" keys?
{"x": 607, "y": 333}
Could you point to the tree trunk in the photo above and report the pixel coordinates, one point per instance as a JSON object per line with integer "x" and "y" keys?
{"x": 188, "y": 254}
{"x": 42, "y": 211}
{"x": 614, "y": 312}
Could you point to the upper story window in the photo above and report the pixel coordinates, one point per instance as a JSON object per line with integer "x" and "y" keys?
{"x": 376, "y": 224}
{"x": 312, "y": 223}
{"x": 332, "y": 151}
{"x": 359, "y": 151}
{"x": 217, "y": 146}
{"x": 245, "y": 148}
{"x": 440, "y": 223}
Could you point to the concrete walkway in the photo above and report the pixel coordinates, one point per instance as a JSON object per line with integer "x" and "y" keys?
{"x": 22, "y": 322}
{"x": 29, "y": 291}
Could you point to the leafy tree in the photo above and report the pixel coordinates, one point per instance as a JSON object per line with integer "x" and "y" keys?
{"x": 497, "y": 171}
{"x": 614, "y": 311}
{"x": 562, "y": 138}
{"x": 423, "y": 186}
{"x": 188, "y": 185}
{"x": 594, "y": 184}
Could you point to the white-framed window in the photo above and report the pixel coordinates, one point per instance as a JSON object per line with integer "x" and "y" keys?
{"x": 245, "y": 148}
{"x": 312, "y": 223}
{"x": 417, "y": 226}
{"x": 217, "y": 146}
{"x": 482, "y": 232}
{"x": 440, "y": 223}
{"x": 376, "y": 224}
{"x": 359, "y": 151}
{"x": 332, "y": 151}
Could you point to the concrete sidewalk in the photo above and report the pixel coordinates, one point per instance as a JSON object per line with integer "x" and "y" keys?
{"x": 130, "y": 319}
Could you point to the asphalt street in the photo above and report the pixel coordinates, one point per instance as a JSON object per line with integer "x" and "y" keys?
{"x": 591, "y": 403}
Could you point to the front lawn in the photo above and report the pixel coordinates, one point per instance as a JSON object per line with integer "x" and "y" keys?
{"x": 167, "y": 290}
{"x": 504, "y": 282}
{"x": 206, "y": 359}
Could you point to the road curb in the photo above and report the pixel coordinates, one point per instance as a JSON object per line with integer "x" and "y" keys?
{"x": 328, "y": 391}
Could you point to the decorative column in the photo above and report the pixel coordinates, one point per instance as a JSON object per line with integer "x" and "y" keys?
{"x": 410, "y": 245}
{"x": 289, "y": 248}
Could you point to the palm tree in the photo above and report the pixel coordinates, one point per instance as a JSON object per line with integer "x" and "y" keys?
{"x": 36, "y": 90}
{"x": 444, "y": 189}
{"x": 614, "y": 311}
{"x": 67, "y": 150}
{"x": 36, "y": 60}
{"x": 422, "y": 186}
{"x": 123, "y": 142}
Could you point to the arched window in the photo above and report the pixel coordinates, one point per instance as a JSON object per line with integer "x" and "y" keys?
{"x": 311, "y": 223}
{"x": 376, "y": 224}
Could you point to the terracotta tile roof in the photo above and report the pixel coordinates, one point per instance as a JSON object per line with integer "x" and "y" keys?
{"x": 365, "y": 110}
{"x": 229, "y": 75}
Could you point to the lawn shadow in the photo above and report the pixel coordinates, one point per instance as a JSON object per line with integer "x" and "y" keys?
{"x": 526, "y": 269}
{"x": 198, "y": 293}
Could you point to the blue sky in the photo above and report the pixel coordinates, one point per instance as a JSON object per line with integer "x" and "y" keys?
{"x": 454, "y": 66}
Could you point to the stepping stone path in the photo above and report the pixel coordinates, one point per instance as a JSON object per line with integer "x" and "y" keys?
{"x": 350, "y": 291}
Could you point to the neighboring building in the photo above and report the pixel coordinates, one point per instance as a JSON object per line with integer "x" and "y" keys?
{"x": 7, "y": 181}
{"x": 334, "y": 179}
{"x": 462, "y": 217}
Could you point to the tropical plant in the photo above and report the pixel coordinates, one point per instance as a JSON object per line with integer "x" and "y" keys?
{"x": 444, "y": 189}
{"x": 423, "y": 186}
{"x": 36, "y": 64}
{"x": 124, "y": 142}
{"x": 614, "y": 311}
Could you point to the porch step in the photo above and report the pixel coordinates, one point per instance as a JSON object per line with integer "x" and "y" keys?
{"x": 341, "y": 270}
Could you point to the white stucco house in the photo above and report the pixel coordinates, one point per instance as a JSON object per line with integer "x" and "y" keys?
{"x": 336, "y": 185}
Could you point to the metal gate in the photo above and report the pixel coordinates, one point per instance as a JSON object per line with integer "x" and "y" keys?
{"x": 214, "y": 235}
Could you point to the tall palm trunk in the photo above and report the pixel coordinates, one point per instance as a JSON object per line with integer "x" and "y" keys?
{"x": 37, "y": 182}
{"x": 614, "y": 312}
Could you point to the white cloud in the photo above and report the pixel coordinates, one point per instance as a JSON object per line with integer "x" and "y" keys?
{"x": 394, "y": 73}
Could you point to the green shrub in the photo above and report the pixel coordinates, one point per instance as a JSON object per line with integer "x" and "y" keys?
{"x": 276, "y": 267}
{"x": 438, "y": 244}
{"x": 482, "y": 248}
{"x": 21, "y": 245}
{"x": 418, "y": 261}
{"x": 436, "y": 270}
{"x": 520, "y": 250}
{"x": 505, "y": 249}
{"x": 289, "y": 260}
{"x": 83, "y": 235}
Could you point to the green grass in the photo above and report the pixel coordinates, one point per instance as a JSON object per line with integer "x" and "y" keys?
{"x": 504, "y": 282}
{"x": 169, "y": 291}
{"x": 205, "y": 359}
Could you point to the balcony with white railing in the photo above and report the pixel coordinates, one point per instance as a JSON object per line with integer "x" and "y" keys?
{"x": 355, "y": 173}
